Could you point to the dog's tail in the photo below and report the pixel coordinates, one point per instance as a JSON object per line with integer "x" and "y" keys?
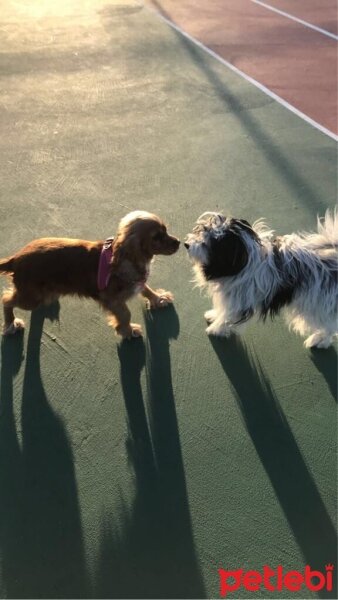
{"x": 328, "y": 226}
{"x": 7, "y": 265}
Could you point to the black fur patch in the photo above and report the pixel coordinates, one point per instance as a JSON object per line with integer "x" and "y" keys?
{"x": 239, "y": 225}
{"x": 284, "y": 293}
{"x": 227, "y": 255}
{"x": 245, "y": 316}
{"x": 283, "y": 297}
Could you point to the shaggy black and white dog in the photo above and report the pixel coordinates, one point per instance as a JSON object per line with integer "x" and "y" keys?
{"x": 248, "y": 271}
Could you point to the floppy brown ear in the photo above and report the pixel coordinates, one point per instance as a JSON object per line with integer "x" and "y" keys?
{"x": 118, "y": 246}
{"x": 127, "y": 245}
{"x": 117, "y": 252}
{"x": 131, "y": 246}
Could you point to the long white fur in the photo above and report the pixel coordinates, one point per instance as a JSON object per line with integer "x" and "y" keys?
{"x": 313, "y": 310}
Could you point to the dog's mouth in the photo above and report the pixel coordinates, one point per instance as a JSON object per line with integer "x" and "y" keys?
{"x": 196, "y": 248}
{"x": 172, "y": 247}
{"x": 169, "y": 247}
{"x": 193, "y": 239}
{"x": 189, "y": 242}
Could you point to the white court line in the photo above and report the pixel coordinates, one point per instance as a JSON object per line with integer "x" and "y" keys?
{"x": 254, "y": 82}
{"x": 285, "y": 14}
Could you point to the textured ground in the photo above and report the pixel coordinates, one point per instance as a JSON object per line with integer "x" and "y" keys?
{"x": 137, "y": 470}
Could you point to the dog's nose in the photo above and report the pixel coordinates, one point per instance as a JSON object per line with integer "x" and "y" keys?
{"x": 186, "y": 245}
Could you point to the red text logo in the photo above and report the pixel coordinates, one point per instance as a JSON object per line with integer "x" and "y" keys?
{"x": 275, "y": 580}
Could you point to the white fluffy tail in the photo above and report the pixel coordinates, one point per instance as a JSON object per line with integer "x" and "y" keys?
{"x": 328, "y": 226}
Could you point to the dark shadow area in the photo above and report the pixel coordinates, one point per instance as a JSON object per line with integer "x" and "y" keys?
{"x": 40, "y": 526}
{"x": 278, "y": 161}
{"x": 281, "y": 458}
{"x": 152, "y": 555}
{"x": 326, "y": 362}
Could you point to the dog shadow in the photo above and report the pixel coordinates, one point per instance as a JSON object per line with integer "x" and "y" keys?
{"x": 153, "y": 555}
{"x": 326, "y": 362}
{"x": 281, "y": 458}
{"x": 40, "y": 527}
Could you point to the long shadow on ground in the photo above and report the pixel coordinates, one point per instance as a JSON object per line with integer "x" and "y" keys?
{"x": 40, "y": 528}
{"x": 326, "y": 362}
{"x": 152, "y": 555}
{"x": 280, "y": 455}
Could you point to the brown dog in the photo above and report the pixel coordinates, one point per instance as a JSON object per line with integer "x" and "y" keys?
{"x": 110, "y": 273}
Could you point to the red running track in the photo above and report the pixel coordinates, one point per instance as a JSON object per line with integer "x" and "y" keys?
{"x": 295, "y": 62}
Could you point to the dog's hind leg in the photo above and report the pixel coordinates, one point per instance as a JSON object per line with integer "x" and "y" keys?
{"x": 319, "y": 339}
{"x": 11, "y": 323}
{"x": 322, "y": 332}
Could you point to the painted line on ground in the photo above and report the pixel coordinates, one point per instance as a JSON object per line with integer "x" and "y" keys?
{"x": 251, "y": 80}
{"x": 293, "y": 18}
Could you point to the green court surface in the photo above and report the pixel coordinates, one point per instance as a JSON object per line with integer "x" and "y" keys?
{"x": 136, "y": 470}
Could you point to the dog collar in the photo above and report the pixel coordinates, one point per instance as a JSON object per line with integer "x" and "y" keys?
{"x": 103, "y": 274}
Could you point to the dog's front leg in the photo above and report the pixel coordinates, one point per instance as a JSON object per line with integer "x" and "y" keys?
{"x": 216, "y": 314}
{"x": 157, "y": 298}
{"x": 210, "y": 315}
{"x": 120, "y": 320}
{"x": 220, "y": 328}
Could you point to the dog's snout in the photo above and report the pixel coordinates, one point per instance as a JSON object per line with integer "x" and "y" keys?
{"x": 186, "y": 245}
{"x": 173, "y": 245}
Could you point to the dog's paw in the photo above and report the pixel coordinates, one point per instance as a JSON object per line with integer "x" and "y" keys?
{"x": 14, "y": 327}
{"x": 136, "y": 330}
{"x": 210, "y": 315}
{"x": 161, "y": 299}
{"x": 317, "y": 340}
{"x": 132, "y": 331}
{"x": 219, "y": 330}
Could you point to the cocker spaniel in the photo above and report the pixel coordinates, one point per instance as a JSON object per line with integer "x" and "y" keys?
{"x": 110, "y": 271}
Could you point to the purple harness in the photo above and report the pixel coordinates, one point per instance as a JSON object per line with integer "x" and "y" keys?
{"x": 103, "y": 274}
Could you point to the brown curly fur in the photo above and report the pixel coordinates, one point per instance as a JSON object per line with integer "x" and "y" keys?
{"x": 51, "y": 267}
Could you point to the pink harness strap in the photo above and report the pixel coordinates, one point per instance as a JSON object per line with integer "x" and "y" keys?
{"x": 103, "y": 274}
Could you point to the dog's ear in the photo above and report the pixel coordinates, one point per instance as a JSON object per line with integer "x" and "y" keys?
{"x": 245, "y": 223}
{"x": 126, "y": 245}
{"x": 131, "y": 243}
{"x": 117, "y": 251}
{"x": 227, "y": 256}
